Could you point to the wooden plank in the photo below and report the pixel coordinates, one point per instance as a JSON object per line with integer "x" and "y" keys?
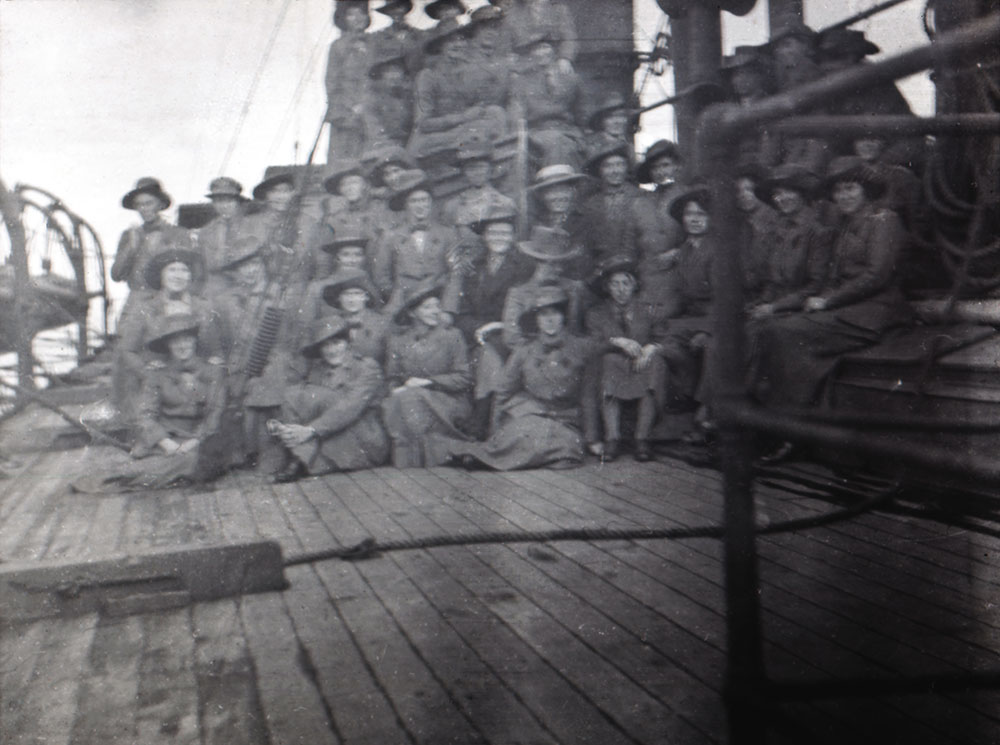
{"x": 266, "y": 510}
{"x": 167, "y": 695}
{"x": 235, "y": 517}
{"x": 229, "y": 708}
{"x": 21, "y": 483}
{"x": 109, "y": 691}
{"x": 20, "y": 650}
{"x": 293, "y": 707}
{"x": 106, "y": 528}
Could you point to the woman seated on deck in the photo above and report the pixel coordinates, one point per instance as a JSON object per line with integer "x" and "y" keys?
{"x": 330, "y": 422}
{"x": 540, "y": 398}
{"x": 428, "y": 370}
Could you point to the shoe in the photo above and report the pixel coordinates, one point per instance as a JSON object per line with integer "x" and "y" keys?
{"x": 610, "y": 451}
{"x": 642, "y": 452}
{"x": 292, "y": 472}
{"x": 781, "y": 453}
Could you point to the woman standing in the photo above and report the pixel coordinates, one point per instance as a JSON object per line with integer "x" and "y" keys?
{"x": 428, "y": 370}
{"x": 330, "y": 422}
{"x": 347, "y": 79}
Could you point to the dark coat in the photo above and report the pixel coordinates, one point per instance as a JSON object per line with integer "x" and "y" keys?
{"x": 177, "y": 402}
{"x": 138, "y": 244}
{"x": 522, "y": 298}
{"x": 307, "y": 261}
{"x": 797, "y": 260}
{"x": 484, "y": 293}
{"x": 623, "y": 221}
{"x": 398, "y": 266}
{"x": 642, "y": 322}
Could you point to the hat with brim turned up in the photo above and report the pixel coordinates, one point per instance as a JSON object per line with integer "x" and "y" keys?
{"x": 409, "y": 182}
{"x": 697, "y": 193}
{"x": 548, "y": 244}
{"x": 146, "y": 185}
{"x": 175, "y": 254}
{"x": 428, "y": 287}
{"x": 548, "y": 296}
{"x": 348, "y": 279}
{"x": 324, "y": 329}
{"x": 788, "y": 176}
{"x": 659, "y": 149}
{"x": 169, "y": 327}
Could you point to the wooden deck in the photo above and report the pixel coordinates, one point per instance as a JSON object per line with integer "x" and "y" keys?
{"x": 575, "y": 642}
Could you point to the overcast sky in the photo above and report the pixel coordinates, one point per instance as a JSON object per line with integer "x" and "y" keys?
{"x": 96, "y": 93}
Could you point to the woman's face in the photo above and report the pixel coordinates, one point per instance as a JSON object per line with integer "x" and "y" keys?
{"x": 391, "y": 173}
{"x": 746, "y": 197}
{"x": 352, "y": 187}
{"x": 419, "y": 205}
{"x": 351, "y": 257}
{"x": 849, "y": 196}
{"x": 868, "y": 149}
{"x": 621, "y": 287}
{"x": 550, "y": 321}
{"x": 616, "y": 123}
{"x": 356, "y": 19}
{"x": 353, "y": 300}
{"x": 175, "y": 277}
{"x": 147, "y": 206}
{"x": 499, "y": 237}
{"x": 477, "y": 172}
{"x": 280, "y": 196}
{"x": 182, "y": 347}
{"x": 334, "y": 351}
{"x": 226, "y": 206}
{"x": 695, "y": 219}
{"x": 249, "y": 272}
{"x": 558, "y": 199}
{"x": 665, "y": 170}
{"x": 428, "y": 312}
{"x": 614, "y": 170}
{"x": 788, "y": 201}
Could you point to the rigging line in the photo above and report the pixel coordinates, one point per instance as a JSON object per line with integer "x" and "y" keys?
{"x": 299, "y": 90}
{"x": 253, "y": 85}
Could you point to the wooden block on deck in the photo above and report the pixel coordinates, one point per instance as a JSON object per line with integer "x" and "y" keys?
{"x": 126, "y": 584}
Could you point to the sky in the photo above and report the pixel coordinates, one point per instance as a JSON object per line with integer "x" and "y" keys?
{"x": 97, "y": 93}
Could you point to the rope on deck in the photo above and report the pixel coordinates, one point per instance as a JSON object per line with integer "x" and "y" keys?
{"x": 369, "y": 548}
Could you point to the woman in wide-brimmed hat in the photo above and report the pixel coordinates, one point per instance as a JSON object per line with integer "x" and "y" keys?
{"x": 474, "y": 202}
{"x": 351, "y": 293}
{"x": 331, "y": 422}
{"x": 857, "y": 302}
{"x": 347, "y": 79}
{"x": 547, "y": 384}
{"x": 662, "y": 165}
{"x": 427, "y": 366}
{"x": 215, "y": 238}
{"x": 351, "y": 210}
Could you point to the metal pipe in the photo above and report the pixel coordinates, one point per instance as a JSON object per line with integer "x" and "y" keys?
{"x": 725, "y": 121}
{"x": 850, "y": 21}
{"x": 944, "y": 124}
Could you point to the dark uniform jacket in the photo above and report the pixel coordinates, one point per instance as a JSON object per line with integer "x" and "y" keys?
{"x": 307, "y": 261}
{"x": 547, "y": 378}
{"x": 439, "y": 354}
{"x": 177, "y": 401}
{"x": 138, "y": 244}
{"x": 521, "y": 299}
{"x": 620, "y": 221}
{"x": 797, "y": 260}
{"x": 484, "y": 292}
{"x": 524, "y": 22}
{"x": 399, "y": 264}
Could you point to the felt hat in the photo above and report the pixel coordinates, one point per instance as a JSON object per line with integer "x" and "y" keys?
{"x": 242, "y": 251}
{"x": 846, "y": 42}
{"x": 609, "y": 267}
{"x": 789, "y": 176}
{"x": 615, "y": 102}
{"x": 428, "y": 287}
{"x": 391, "y": 7}
{"x": 170, "y": 326}
{"x": 410, "y": 182}
{"x": 383, "y": 154}
{"x": 338, "y": 170}
{"x": 496, "y": 213}
{"x": 327, "y": 327}
{"x": 154, "y": 267}
{"x": 560, "y": 173}
{"x": 659, "y": 149}
{"x": 853, "y": 168}
{"x": 225, "y": 187}
{"x": 436, "y": 9}
{"x": 485, "y": 14}
{"x": 744, "y": 56}
{"x": 346, "y": 280}
{"x": 750, "y": 168}
{"x": 593, "y": 165}
{"x": 697, "y": 193}
{"x": 479, "y": 149}
{"x": 340, "y": 10}
{"x": 548, "y": 244}
{"x": 437, "y": 36}
{"x": 260, "y": 190}
{"x": 146, "y": 185}
{"x": 548, "y": 296}
{"x": 345, "y": 237}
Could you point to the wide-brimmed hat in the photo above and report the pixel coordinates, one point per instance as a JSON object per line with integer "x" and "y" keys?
{"x": 225, "y": 187}
{"x": 154, "y": 267}
{"x": 547, "y": 296}
{"x": 410, "y": 182}
{"x": 659, "y": 149}
{"x": 428, "y": 287}
{"x": 341, "y": 7}
{"x": 345, "y": 237}
{"x": 846, "y": 42}
{"x": 548, "y": 244}
{"x": 745, "y": 56}
{"x": 853, "y": 168}
{"x": 485, "y": 14}
{"x": 260, "y": 190}
{"x": 436, "y": 8}
{"x": 750, "y": 168}
{"x": 593, "y": 165}
{"x": 146, "y": 185}
{"x": 391, "y": 6}
{"x": 347, "y": 279}
{"x": 440, "y": 34}
{"x": 699, "y": 193}
{"x": 614, "y": 102}
{"x": 610, "y": 266}
{"x": 170, "y": 326}
{"x": 240, "y": 252}
{"x": 478, "y": 149}
{"x": 340, "y": 169}
{"x": 389, "y": 57}
{"x": 382, "y": 154}
{"x": 327, "y": 327}
{"x": 496, "y": 213}
{"x": 533, "y": 37}
{"x": 788, "y": 176}
{"x": 560, "y": 173}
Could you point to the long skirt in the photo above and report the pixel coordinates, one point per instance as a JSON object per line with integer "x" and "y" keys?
{"x": 412, "y": 415}
{"x": 529, "y": 436}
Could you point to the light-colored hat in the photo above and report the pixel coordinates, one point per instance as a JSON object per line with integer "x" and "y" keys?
{"x": 548, "y": 244}
{"x": 560, "y": 173}
{"x": 225, "y": 187}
